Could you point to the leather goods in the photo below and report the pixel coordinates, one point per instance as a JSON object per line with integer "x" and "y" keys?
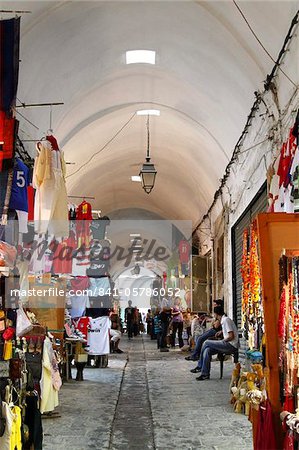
{"x": 15, "y": 369}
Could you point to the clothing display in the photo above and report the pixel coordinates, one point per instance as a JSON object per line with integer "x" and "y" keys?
{"x": 98, "y": 336}
{"x": 283, "y": 192}
{"x": 50, "y": 381}
{"x": 51, "y": 211}
{"x": 83, "y": 221}
{"x": 79, "y": 305}
{"x": 98, "y": 227}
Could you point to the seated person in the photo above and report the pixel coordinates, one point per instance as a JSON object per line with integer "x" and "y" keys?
{"x": 115, "y": 333}
{"x": 216, "y": 327}
{"x": 228, "y": 345}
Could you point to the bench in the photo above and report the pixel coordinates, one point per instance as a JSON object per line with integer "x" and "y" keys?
{"x": 221, "y": 357}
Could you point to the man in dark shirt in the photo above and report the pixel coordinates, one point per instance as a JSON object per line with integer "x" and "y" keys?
{"x": 165, "y": 316}
{"x": 129, "y": 319}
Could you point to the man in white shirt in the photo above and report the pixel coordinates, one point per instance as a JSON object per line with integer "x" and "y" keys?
{"x": 228, "y": 345}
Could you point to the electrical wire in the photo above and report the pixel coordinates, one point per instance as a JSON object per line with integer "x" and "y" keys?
{"x": 260, "y": 42}
{"x": 27, "y": 120}
{"x": 254, "y": 109}
{"x": 104, "y": 146}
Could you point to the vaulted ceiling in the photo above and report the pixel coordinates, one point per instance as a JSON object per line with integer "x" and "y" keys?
{"x": 208, "y": 66}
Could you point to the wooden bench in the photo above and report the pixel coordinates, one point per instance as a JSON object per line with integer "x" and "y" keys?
{"x": 221, "y": 357}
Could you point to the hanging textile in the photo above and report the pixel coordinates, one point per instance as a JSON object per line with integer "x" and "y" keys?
{"x": 265, "y": 436}
{"x": 288, "y": 323}
{"x": 252, "y": 311}
{"x": 9, "y": 62}
{"x": 19, "y": 195}
{"x": 84, "y": 218}
{"x": 50, "y": 209}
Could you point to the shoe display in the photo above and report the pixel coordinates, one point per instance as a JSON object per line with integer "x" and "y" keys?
{"x": 203, "y": 377}
{"x": 195, "y": 370}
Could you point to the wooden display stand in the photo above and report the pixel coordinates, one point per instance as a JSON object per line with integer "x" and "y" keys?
{"x": 276, "y": 231}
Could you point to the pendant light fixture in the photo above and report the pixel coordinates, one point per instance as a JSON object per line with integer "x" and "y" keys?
{"x": 148, "y": 172}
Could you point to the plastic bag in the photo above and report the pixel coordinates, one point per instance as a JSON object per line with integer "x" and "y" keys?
{"x": 23, "y": 323}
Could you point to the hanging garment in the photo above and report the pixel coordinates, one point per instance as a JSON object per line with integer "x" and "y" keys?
{"x": 84, "y": 218}
{"x": 63, "y": 255}
{"x": 98, "y": 227}
{"x": 50, "y": 211}
{"x": 9, "y": 57}
{"x": 79, "y": 283}
{"x": 98, "y": 336}
{"x": 5, "y": 440}
{"x": 79, "y": 304}
{"x": 82, "y": 325}
{"x": 285, "y": 161}
{"x": 16, "y": 437}
{"x": 50, "y": 381}
{"x": 19, "y": 196}
{"x": 265, "y": 436}
{"x": 33, "y": 420}
{"x": 30, "y": 196}
{"x": 100, "y": 286}
{"x": 184, "y": 251}
{"x": 23, "y": 268}
{"x": 81, "y": 262}
{"x": 8, "y": 131}
{"x": 296, "y": 128}
{"x": 20, "y": 183}
{"x": 6, "y": 197}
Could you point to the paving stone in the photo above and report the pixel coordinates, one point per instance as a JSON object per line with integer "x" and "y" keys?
{"x": 147, "y": 400}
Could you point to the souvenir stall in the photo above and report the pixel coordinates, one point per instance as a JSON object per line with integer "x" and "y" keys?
{"x": 266, "y": 384}
{"x": 263, "y": 390}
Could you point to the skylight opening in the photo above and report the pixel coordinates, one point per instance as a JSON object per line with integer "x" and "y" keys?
{"x": 148, "y": 112}
{"x": 140, "y": 57}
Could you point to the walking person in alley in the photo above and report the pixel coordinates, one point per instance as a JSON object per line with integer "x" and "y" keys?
{"x": 129, "y": 319}
{"x": 227, "y": 345}
{"x": 177, "y": 326}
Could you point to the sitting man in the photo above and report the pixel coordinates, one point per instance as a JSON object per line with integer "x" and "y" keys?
{"x": 227, "y": 345}
{"x": 115, "y": 333}
{"x": 216, "y": 328}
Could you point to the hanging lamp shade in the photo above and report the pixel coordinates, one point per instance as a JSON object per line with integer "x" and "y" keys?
{"x": 148, "y": 176}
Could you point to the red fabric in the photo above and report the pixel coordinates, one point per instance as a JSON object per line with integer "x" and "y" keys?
{"x": 80, "y": 283}
{"x": 82, "y": 325}
{"x": 30, "y": 196}
{"x": 286, "y": 157}
{"x": 289, "y": 404}
{"x": 7, "y": 137}
{"x": 84, "y": 218}
{"x": 53, "y": 142}
{"x": 84, "y": 211}
{"x": 288, "y": 443}
{"x": 265, "y": 437}
{"x": 184, "y": 251}
{"x": 63, "y": 256}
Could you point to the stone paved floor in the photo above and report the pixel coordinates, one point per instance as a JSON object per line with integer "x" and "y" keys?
{"x": 147, "y": 400}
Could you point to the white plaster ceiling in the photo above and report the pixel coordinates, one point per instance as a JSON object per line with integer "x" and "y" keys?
{"x": 208, "y": 67}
